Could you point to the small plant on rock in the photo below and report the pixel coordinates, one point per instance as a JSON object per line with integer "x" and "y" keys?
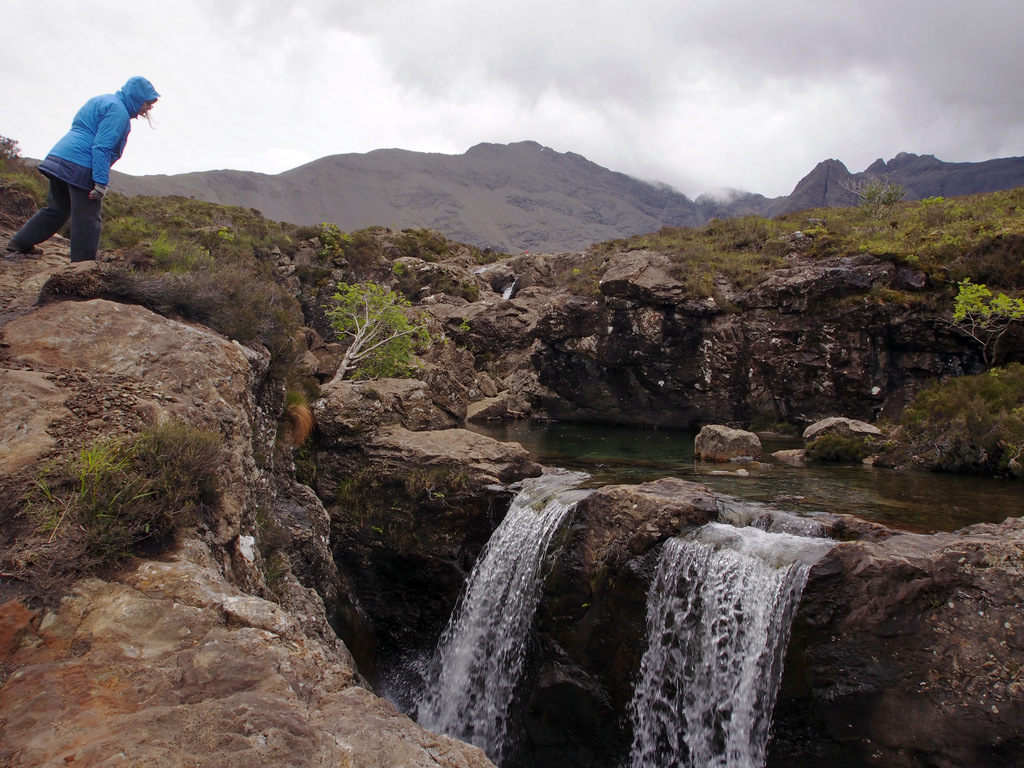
{"x": 984, "y": 317}
{"x": 118, "y": 497}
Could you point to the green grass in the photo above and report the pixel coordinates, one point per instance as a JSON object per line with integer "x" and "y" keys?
{"x": 119, "y": 497}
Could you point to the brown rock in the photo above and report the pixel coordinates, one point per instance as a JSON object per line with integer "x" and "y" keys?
{"x": 190, "y": 373}
{"x": 794, "y": 457}
{"x": 503, "y": 407}
{"x": 625, "y": 521}
{"x": 487, "y": 460}
{"x": 171, "y": 667}
{"x": 30, "y": 402}
{"x": 351, "y": 409}
{"x": 912, "y": 645}
{"x": 594, "y": 612}
{"x": 841, "y": 427}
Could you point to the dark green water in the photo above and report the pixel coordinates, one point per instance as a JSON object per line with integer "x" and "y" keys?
{"x": 915, "y": 501}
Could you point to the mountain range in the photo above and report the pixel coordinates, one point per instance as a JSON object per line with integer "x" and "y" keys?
{"x": 527, "y": 197}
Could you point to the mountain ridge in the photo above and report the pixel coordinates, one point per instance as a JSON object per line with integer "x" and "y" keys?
{"x": 526, "y": 197}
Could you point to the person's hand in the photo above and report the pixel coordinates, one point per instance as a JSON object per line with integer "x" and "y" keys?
{"x": 98, "y": 192}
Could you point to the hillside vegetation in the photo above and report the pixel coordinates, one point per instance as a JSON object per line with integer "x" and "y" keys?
{"x": 980, "y": 237}
{"x": 217, "y": 264}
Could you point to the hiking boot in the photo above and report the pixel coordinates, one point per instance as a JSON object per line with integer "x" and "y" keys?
{"x": 10, "y": 250}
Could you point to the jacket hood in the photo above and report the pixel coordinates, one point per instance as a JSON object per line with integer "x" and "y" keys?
{"x": 136, "y": 92}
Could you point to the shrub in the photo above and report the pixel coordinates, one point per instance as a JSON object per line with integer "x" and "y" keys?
{"x": 984, "y": 317}
{"x": 10, "y": 154}
{"x": 233, "y": 300}
{"x": 381, "y": 328}
{"x": 875, "y": 196}
{"x": 969, "y": 424}
{"x": 838, "y": 448}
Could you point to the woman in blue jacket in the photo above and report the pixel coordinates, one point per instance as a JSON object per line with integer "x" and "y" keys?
{"x": 78, "y": 168}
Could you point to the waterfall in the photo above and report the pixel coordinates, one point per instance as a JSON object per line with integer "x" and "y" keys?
{"x": 480, "y": 657}
{"x": 718, "y": 617}
{"x": 510, "y": 290}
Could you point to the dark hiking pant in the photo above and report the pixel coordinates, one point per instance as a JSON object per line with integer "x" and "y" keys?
{"x": 63, "y": 202}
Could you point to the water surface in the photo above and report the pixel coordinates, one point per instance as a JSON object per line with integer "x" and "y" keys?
{"x": 918, "y": 501}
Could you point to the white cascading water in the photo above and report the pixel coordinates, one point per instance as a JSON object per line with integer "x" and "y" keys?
{"x": 480, "y": 657}
{"x": 718, "y": 618}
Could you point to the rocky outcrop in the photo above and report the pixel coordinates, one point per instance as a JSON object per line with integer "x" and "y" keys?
{"x": 803, "y": 345}
{"x": 410, "y": 512}
{"x": 906, "y": 652}
{"x": 117, "y": 367}
{"x": 220, "y": 652}
{"x": 594, "y": 613}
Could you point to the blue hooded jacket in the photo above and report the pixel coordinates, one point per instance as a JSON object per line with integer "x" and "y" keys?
{"x": 98, "y": 135}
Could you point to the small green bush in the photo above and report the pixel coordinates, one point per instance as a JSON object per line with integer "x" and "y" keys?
{"x": 838, "y": 448}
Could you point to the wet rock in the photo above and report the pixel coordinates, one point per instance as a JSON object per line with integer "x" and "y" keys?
{"x": 794, "y": 457}
{"x": 906, "y": 652}
{"x": 410, "y": 512}
{"x": 594, "y": 612}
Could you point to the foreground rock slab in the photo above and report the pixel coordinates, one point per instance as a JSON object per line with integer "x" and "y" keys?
{"x": 168, "y": 666}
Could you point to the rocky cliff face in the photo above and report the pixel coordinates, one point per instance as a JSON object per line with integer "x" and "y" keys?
{"x": 219, "y": 652}
{"x": 808, "y": 342}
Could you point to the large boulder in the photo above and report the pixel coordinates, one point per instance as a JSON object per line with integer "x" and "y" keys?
{"x": 410, "y": 512}
{"x": 715, "y": 442}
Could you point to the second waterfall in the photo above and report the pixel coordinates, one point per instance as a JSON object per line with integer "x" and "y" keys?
{"x": 719, "y": 614}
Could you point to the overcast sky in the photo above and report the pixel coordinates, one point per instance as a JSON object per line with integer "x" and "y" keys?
{"x": 699, "y": 94}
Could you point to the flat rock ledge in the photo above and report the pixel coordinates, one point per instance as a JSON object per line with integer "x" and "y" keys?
{"x": 168, "y": 666}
